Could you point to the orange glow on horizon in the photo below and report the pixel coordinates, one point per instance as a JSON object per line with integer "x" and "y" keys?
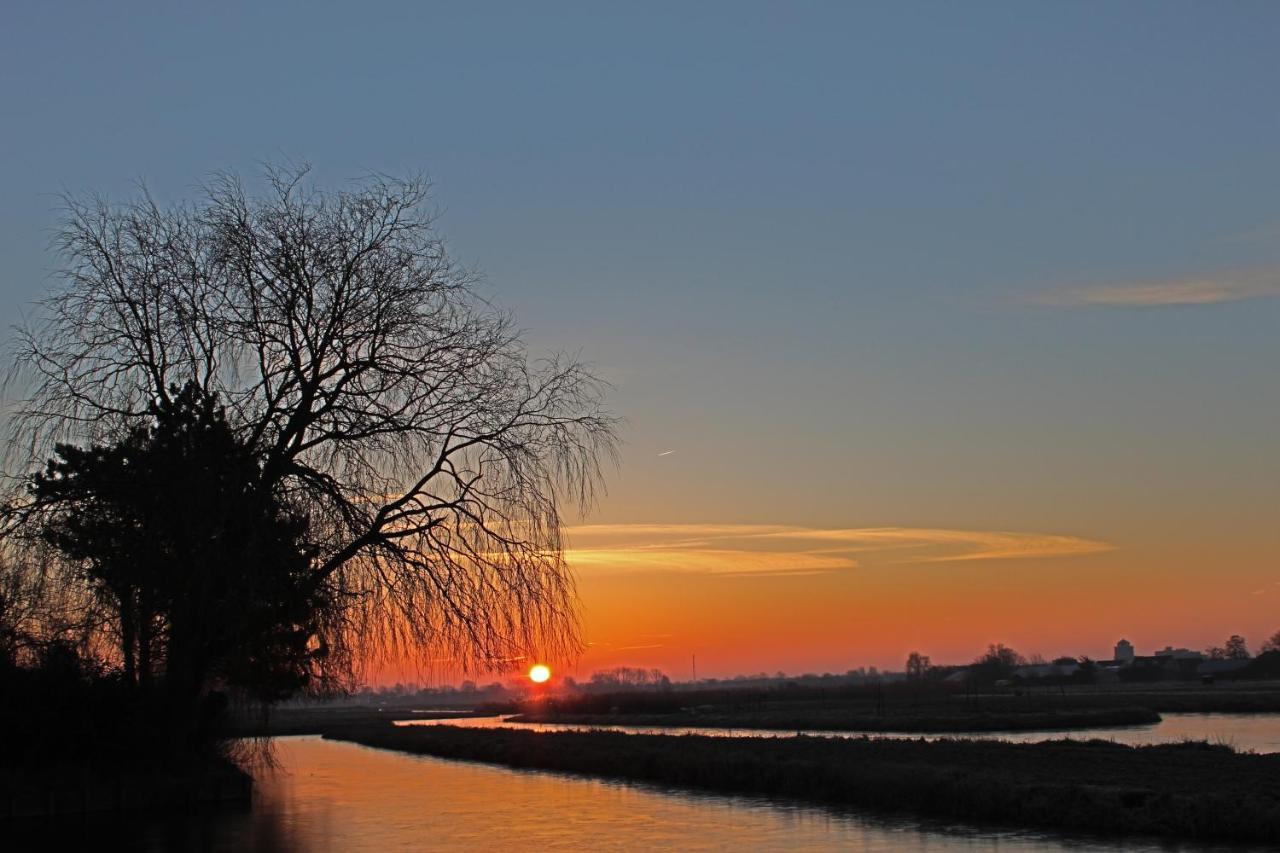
{"x": 766, "y": 598}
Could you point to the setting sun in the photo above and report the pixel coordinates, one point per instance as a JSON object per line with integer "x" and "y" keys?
{"x": 539, "y": 673}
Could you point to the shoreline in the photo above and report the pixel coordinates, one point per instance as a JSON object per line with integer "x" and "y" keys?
{"x": 1186, "y": 791}
{"x": 76, "y": 790}
{"x": 899, "y": 723}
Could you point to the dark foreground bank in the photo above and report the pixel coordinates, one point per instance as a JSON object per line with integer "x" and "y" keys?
{"x": 840, "y": 719}
{"x": 78, "y": 789}
{"x": 1190, "y": 791}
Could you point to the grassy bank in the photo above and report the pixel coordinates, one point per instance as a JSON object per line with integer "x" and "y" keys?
{"x": 857, "y": 720}
{"x": 924, "y": 698}
{"x": 1209, "y": 701}
{"x": 1191, "y": 791}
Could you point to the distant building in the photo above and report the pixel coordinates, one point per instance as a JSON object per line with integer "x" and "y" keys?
{"x": 1124, "y": 652}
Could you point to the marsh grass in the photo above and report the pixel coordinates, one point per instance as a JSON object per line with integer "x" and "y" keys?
{"x": 856, "y": 719}
{"x": 1193, "y": 790}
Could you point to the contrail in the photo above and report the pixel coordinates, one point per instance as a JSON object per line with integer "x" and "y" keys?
{"x": 666, "y": 453}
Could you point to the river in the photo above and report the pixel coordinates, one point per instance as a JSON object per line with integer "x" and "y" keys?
{"x": 1245, "y": 732}
{"x": 336, "y": 796}
{"x": 333, "y": 796}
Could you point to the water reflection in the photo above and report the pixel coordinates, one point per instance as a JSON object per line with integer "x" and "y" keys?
{"x": 1246, "y": 732}
{"x": 334, "y": 796}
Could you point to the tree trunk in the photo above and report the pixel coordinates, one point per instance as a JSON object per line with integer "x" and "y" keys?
{"x": 146, "y": 644}
{"x": 128, "y": 636}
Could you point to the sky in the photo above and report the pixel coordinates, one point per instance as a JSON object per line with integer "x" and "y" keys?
{"x": 933, "y": 325}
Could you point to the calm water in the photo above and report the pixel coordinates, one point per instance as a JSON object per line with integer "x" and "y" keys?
{"x": 331, "y": 796}
{"x": 1255, "y": 732}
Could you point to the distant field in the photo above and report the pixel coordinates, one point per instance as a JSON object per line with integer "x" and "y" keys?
{"x": 906, "y": 708}
{"x": 898, "y": 708}
{"x": 856, "y": 718}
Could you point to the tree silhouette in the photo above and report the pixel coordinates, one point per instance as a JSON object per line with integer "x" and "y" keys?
{"x": 1001, "y": 655}
{"x": 918, "y": 666}
{"x": 627, "y": 676}
{"x": 1235, "y": 648}
{"x": 205, "y": 576}
{"x": 997, "y": 663}
{"x": 373, "y": 397}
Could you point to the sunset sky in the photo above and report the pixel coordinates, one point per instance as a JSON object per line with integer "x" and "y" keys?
{"x": 932, "y": 326}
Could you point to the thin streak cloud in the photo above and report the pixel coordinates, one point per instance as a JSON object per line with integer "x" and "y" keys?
{"x": 736, "y": 550}
{"x": 1204, "y": 290}
{"x": 961, "y": 544}
{"x": 709, "y": 561}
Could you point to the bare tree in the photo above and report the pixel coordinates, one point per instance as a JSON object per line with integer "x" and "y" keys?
{"x": 628, "y": 676}
{"x": 918, "y": 666}
{"x": 432, "y": 456}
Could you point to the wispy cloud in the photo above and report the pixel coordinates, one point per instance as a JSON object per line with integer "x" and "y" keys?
{"x": 959, "y": 545}
{"x": 646, "y": 531}
{"x": 1200, "y": 290}
{"x": 692, "y": 558}
{"x": 763, "y": 550}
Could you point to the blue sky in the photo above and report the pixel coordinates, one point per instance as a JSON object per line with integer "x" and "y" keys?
{"x": 859, "y": 265}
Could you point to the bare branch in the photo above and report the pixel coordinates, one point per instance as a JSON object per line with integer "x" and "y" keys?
{"x": 401, "y": 412}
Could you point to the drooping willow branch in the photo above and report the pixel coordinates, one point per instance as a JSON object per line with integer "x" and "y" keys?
{"x": 401, "y": 413}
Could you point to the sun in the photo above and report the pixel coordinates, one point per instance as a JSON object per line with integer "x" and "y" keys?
{"x": 539, "y": 672}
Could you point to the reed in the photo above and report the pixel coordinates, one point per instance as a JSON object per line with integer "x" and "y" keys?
{"x": 1191, "y": 791}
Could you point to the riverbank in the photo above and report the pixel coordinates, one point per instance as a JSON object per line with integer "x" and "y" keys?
{"x": 838, "y": 719}
{"x": 317, "y": 719}
{"x": 1206, "y": 701}
{"x": 1189, "y": 791}
{"x": 81, "y": 789}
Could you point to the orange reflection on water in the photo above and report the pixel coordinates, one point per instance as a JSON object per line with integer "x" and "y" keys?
{"x": 330, "y": 795}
